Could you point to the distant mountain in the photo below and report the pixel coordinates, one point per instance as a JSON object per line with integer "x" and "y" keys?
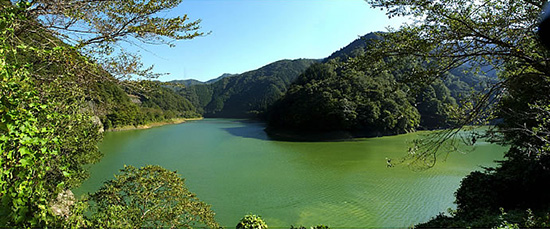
{"x": 247, "y": 94}
{"x": 191, "y": 82}
{"x": 187, "y": 83}
{"x": 332, "y": 97}
{"x": 251, "y": 93}
{"x": 353, "y": 49}
{"x": 225, "y": 75}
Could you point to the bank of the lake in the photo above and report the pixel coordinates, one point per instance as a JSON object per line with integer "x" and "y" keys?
{"x": 235, "y": 167}
{"x": 154, "y": 124}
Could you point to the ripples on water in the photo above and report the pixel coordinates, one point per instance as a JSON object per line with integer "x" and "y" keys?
{"x": 233, "y": 166}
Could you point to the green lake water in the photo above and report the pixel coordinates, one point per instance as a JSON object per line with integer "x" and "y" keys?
{"x": 233, "y": 166}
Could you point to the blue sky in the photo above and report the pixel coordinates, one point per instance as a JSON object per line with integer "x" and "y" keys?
{"x": 248, "y": 34}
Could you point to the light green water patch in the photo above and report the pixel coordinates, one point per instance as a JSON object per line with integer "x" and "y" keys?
{"x": 233, "y": 166}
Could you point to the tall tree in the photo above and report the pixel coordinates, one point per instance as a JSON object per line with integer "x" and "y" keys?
{"x": 95, "y": 27}
{"x": 150, "y": 196}
{"x": 449, "y": 33}
{"x": 47, "y": 132}
{"x": 502, "y": 34}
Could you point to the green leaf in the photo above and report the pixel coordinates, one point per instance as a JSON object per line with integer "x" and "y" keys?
{"x": 24, "y": 151}
{"x": 24, "y": 162}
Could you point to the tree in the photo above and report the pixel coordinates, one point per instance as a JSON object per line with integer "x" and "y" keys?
{"x": 95, "y": 27}
{"x": 502, "y": 34}
{"x": 450, "y": 33}
{"x": 47, "y": 129}
{"x": 335, "y": 96}
{"x": 150, "y": 196}
{"x": 44, "y": 141}
{"x": 251, "y": 222}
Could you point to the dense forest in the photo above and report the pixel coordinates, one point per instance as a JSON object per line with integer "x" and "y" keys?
{"x": 462, "y": 63}
{"x": 393, "y": 110}
{"x": 245, "y": 95}
{"x": 123, "y": 104}
{"x": 342, "y": 95}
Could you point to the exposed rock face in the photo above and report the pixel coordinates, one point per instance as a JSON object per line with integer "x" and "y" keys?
{"x": 97, "y": 121}
{"x": 134, "y": 99}
{"x": 61, "y": 206}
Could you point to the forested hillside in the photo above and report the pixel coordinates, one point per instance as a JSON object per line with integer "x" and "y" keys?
{"x": 342, "y": 95}
{"x": 248, "y": 94}
{"x": 126, "y": 104}
{"x": 354, "y": 49}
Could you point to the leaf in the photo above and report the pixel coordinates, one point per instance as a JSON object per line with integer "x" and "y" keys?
{"x": 24, "y": 162}
{"x": 24, "y": 151}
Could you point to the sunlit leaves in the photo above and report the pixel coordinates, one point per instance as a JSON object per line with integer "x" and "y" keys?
{"x": 149, "y": 197}
{"x": 97, "y": 27}
{"x": 449, "y": 33}
{"x": 40, "y": 153}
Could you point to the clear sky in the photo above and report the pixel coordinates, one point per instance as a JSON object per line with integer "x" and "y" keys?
{"x": 248, "y": 34}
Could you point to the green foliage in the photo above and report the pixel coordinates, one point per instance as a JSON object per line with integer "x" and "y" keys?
{"x": 251, "y": 222}
{"x": 433, "y": 104}
{"x": 501, "y": 34}
{"x": 96, "y": 27}
{"x": 453, "y": 33}
{"x": 328, "y": 97}
{"x": 361, "y": 91}
{"x": 27, "y": 151}
{"x": 315, "y": 227}
{"x": 120, "y": 104}
{"x": 354, "y": 49}
{"x": 44, "y": 142}
{"x": 247, "y": 94}
{"x": 148, "y": 197}
{"x": 49, "y": 125}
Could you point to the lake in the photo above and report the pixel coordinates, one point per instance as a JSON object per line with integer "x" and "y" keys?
{"x": 233, "y": 166}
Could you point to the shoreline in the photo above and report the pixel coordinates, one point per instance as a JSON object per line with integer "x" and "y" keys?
{"x": 154, "y": 124}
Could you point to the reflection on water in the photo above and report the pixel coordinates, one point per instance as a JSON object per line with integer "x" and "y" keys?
{"x": 234, "y": 166}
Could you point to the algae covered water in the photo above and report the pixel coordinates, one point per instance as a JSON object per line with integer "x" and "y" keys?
{"x": 233, "y": 166}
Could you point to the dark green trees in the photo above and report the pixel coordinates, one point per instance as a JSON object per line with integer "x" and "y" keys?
{"x": 330, "y": 98}
{"x": 248, "y": 94}
{"x": 501, "y": 34}
{"x": 359, "y": 90}
{"x": 433, "y": 102}
{"x": 120, "y": 104}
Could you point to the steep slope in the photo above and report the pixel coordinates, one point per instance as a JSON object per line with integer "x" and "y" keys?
{"x": 355, "y": 48}
{"x": 191, "y": 82}
{"x": 121, "y": 104}
{"x": 337, "y": 95}
{"x": 248, "y": 94}
{"x": 225, "y": 75}
{"x": 328, "y": 98}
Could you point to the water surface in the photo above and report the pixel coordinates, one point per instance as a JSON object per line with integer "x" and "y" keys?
{"x": 233, "y": 166}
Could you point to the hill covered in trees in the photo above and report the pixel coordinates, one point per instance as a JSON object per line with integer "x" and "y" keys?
{"x": 245, "y": 95}
{"x": 342, "y": 95}
{"x": 252, "y": 94}
{"x": 134, "y": 103}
